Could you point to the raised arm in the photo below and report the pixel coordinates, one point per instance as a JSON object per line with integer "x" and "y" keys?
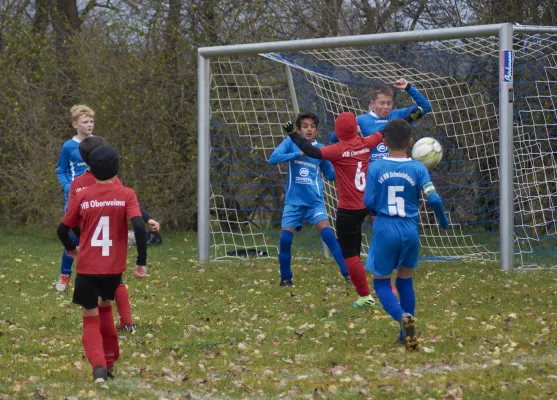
{"x": 421, "y": 101}
{"x": 284, "y": 152}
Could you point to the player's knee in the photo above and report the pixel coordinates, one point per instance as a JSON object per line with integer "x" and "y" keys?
{"x": 405, "y": 272}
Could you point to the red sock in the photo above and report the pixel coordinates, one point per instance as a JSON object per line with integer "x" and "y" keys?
{"x": 109, "y": 336}
{"x": 92, "y": 341}
{"x": 358, "y": 275}
{"x": 122, "y": 300}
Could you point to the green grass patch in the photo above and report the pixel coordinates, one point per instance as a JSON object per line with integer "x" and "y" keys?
{"x": 227, "y": 330}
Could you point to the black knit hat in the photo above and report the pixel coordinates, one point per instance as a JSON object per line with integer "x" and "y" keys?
{"x": 103, "y": 163}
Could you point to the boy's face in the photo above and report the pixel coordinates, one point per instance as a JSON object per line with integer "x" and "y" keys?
{"x": 308, "y": 129}
{"x": 84, "y": 125}
{"x": 382, "y": 106}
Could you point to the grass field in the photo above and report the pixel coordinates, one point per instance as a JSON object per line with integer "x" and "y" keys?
{"x": 226, "y": 330}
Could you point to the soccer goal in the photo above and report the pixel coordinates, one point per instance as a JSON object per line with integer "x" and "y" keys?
{"x": 492, "y": 89}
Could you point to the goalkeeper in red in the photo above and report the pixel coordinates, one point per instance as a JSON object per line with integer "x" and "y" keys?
{"x": 103, "y": 210}
{"x": 350, "y": 158}
{"x": 393, "y": 189}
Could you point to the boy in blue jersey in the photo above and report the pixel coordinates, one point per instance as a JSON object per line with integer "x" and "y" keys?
{"x": 392, "y": 194}
{"x": 303, "y": 199}
{"x": 70, "y": 165}
{"x": 381, "y": 111}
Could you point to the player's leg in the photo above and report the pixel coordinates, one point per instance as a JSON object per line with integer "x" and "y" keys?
{"x": 122, "y": 300}
{"x": 320, "y": 219}
{"x": 404, "y": 282}
{"x": 66, "y": 267}
{"x": 108, "y": 287}
{"x": 371, "y": 219}
{"x": 291, "y": 218}
{"x": 86, "y": 295}
{"x": 382, "y": 261}
{"x": 349, "y": 231}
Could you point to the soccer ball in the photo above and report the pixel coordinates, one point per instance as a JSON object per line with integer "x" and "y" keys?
{"x": 428, "y": 151}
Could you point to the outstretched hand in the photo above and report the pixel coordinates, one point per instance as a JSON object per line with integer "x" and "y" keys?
{"x": 289, "y": 128}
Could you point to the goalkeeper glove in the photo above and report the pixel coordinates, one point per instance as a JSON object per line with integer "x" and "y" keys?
{"x": 289, "y": 128}
{"x": 416, "y": 115}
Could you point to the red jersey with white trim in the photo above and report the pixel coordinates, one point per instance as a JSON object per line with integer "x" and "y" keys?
{"x": 103, "y": 211}
{"x": 350, "y": 159}
{"x": 84, "y": 180}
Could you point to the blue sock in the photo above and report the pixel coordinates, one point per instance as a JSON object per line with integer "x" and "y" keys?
{"x": 67, "y": 261}
{"x": 330, "y": 240}
{"x": 387, "y": 298}
{"x": 285, "y": 254}
{"x": 407, "y": 296}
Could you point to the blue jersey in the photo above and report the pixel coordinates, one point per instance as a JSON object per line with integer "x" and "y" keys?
{"x": 70, "y": 165}
{"x": 370, "y": 123}
{"x": 304, "y": 186}
{"x": 393, "y": 187}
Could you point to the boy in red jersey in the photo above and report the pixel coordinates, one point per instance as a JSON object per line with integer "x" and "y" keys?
{"x": 103, "y": 210}
{"x": 121, "y": 297}
{"x": 350, "y": 158}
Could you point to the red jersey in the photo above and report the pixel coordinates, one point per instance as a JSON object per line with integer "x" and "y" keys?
{"x": 86, "y": 179}
{"x": 103, "y": 211}
{"x": 351, "y": 159}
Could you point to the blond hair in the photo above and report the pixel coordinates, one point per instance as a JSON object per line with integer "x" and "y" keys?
{"x": 380, "y": 89}
{"x": 81, "y": 109}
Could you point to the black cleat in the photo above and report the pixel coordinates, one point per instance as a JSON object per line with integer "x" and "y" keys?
{"x": 127, "y": 328}
{"x": 347, "y": 279}
{"x": 408, "y": 326}
{"x": 110, "y": 372}
{"x": 286, "y": 282}
{"x": 100, "y": 374}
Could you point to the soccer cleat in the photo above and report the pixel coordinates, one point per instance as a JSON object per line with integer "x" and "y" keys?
{"x": 364, "y": 302}
{"x": 408, "y": 327}
{"x": 62, "y": 284}
{"x": 286, "y": 282}
{"x": 347, "y": 279}
{"x": 100, "y": 374}
{"x": 127, "y": 328}
{"x": 110, "y": 372}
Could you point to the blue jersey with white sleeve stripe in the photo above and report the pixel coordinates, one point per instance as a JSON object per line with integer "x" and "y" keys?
{"x": 304, "y": 186}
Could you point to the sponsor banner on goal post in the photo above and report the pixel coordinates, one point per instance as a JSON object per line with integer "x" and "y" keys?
{"x": 507, "y": 58}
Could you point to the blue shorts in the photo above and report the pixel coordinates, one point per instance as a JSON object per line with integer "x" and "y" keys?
{"x": 292, "y": 216}
{"x": 395, "y": 243}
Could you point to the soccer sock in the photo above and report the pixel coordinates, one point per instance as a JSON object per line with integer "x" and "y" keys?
{"x": 330, "y": 240}
{"x": 358, "y": 275}
{"x": 92, "y": 341}
{"x": 405, "y": 289}
{"x": 67, "y": 261}
{"x": 122, "y": 300}
{"x": 387, "y": 298}
{"x": 285, "y": 255}
{"x": 109, "y": 336}
{"x": 66, "y": 264}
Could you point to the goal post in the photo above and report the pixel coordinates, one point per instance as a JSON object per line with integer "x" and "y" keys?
{"x": 241, "y": 107}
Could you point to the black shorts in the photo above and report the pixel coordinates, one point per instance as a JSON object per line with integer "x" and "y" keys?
{"x": 88, "y": 289}
{"x": 349, "y": 230}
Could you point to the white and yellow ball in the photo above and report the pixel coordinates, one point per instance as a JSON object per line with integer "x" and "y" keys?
{"x": 428, "y": 151}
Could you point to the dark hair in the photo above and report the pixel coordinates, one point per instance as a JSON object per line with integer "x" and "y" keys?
{"x": 306, "y": 115}
{"x": 380, "y": 89}
{"x": 397, "y": 134}
{"x": 89, "y": 144}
